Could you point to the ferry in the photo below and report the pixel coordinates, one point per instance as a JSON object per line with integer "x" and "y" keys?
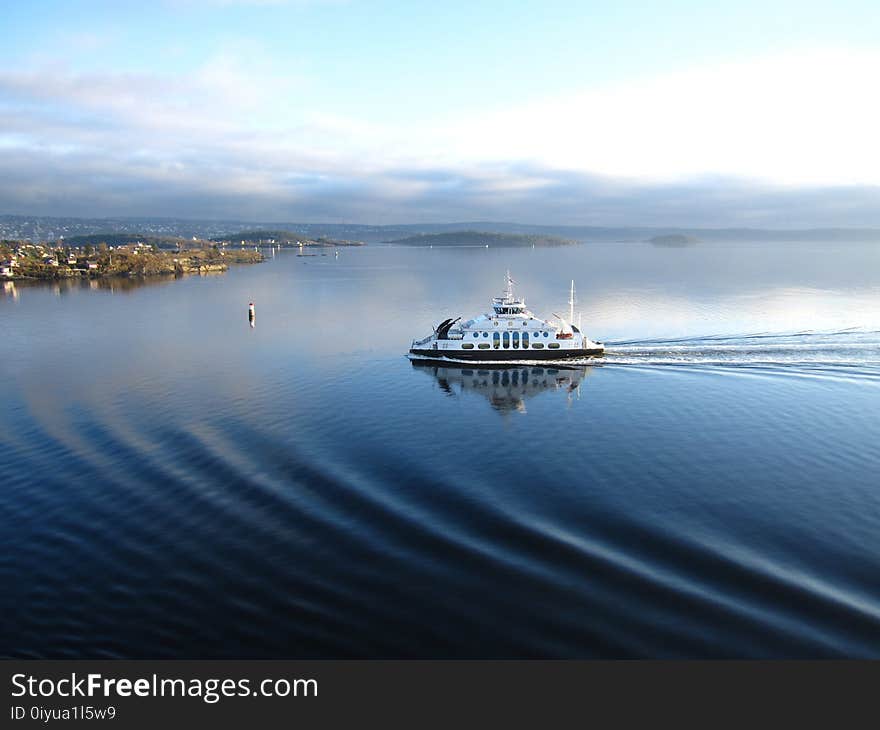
{"x": 510, "y": 332}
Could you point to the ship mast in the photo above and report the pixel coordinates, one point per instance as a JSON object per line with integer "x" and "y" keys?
{"x": 571, "y": 304}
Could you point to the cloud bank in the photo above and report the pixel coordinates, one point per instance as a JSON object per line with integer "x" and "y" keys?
{"x": 780, "y": 141}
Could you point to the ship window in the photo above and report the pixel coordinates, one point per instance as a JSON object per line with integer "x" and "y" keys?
{"x": 525, "y": 339}
{"x": 516, "y": 340}
{"x": 546, "y": 334}
{"x": 553, "y": 345}
{"x": 496, "y": 340}
{"x": 506, "y": 340}
{"x": 469, "y": 346}
{"x": 485, "y": 334}
{"x": 538, "y": 346}
{"x": 484, "y": 345}
{"x": 476, "y": 334}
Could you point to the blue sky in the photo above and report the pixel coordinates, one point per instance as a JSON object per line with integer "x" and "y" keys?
{"x": 673, "y": 113}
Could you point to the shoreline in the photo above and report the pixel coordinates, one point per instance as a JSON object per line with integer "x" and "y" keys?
{"x": 128, "y": 264}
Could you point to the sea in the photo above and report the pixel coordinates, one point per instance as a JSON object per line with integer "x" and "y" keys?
{"x": 177, "y": 481}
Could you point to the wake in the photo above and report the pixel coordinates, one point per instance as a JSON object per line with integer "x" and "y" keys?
{"x": 853, "y": 348}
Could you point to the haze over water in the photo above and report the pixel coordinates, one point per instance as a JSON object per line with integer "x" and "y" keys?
{"x": 179, "y": 484}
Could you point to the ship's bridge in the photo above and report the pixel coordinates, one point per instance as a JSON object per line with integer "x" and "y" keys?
{"x": 509, "y": 305}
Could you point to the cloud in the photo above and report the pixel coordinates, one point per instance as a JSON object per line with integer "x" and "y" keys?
{"x": 805, "y": 118}
{"x": 786, "y": 140}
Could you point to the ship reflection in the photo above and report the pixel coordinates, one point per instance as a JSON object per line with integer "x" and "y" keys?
{"x": 507, "y": 388}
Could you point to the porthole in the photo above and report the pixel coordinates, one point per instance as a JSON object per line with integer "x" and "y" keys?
{"x": 485, "y": 334}
{"x": 553, "y": 345}
{"x": 546, "y": 334}
{"x": 469, "y": 346}
{"x": 484, "y": 345}
{"x": 476, "y": 334}
{"x": 538, "y": 346}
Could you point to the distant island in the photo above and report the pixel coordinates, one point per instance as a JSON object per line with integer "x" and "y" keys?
{"x": 480, "y": 238}
{"x": 282, "y": 238}
{"x": 674, "y": 240}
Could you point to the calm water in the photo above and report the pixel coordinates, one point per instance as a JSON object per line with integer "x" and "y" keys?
{"x": 176, "y": 483}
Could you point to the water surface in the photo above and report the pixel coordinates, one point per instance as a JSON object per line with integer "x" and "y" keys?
{"x": 177, "y": 483}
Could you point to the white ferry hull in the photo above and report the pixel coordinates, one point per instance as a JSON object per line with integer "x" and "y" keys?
{"x": 502, "y": 355}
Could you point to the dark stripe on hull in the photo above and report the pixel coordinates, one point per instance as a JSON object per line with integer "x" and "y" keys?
{"x": 496, "y": 355}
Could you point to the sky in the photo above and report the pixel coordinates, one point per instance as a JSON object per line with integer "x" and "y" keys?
{"x": 756, "y": 113}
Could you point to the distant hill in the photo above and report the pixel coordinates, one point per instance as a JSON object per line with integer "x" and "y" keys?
{"x": 674, "y": 240}
{"x": 50, "y": 228}
{"x": 263, "y": 236}
{"x": 283, "y": 238}
{"x": 121, "y": 239}
{"x": 480, "y": 238}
